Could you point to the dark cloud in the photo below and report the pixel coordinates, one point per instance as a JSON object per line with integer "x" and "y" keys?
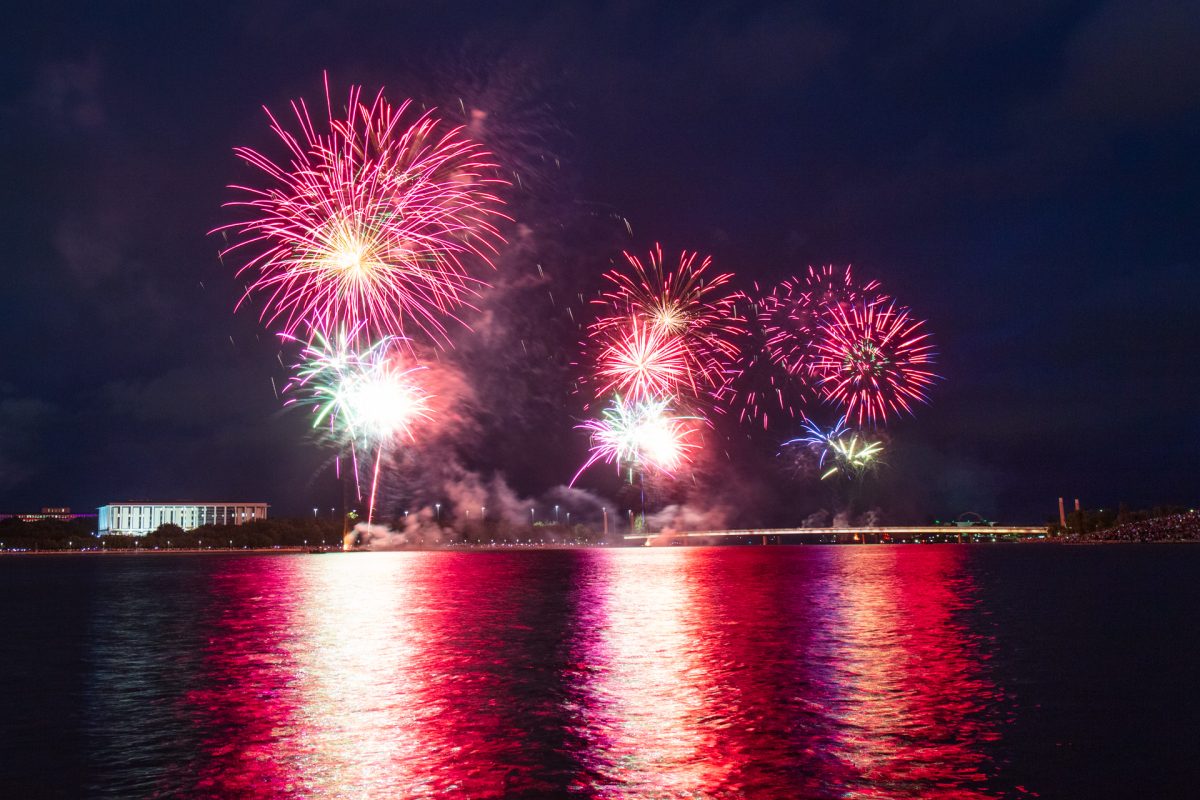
{"x": 67, "y": 95}
{"x": 22, "y": 422}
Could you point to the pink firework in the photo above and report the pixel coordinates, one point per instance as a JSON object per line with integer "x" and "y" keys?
{"x": 763, "y": 387}
{"x": 794, "y": 311}
{"x": 687, "y": 303}
{"x": 370, "y": 225}
{"x": 642, "y": 360}
{"x": 829, "y": 285}
{"x": 873, "y": 360}
{"x": 640, "y": 436}
{"x": 787, "y": 315}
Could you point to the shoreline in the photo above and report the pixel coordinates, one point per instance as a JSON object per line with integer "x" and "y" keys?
{"x": 525, "y": 547}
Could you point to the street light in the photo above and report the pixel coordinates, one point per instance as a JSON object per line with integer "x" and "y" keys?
{"x": 438, "y": 507}
{"x": 314, "y": 513}
{"x": 531, "y": 517}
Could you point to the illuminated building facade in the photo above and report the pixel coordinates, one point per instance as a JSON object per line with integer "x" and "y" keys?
{"x": 138, "y": 519}
{"x": 59, "y": 513}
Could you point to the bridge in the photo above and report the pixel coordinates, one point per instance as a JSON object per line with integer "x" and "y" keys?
{"x": 960, "y": 533}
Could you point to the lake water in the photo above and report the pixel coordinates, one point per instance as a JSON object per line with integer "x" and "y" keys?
{"x": 924, "y": 671}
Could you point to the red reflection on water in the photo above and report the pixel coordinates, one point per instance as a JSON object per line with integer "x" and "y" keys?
{"x": 914, "y": 705}
{"x": 819, "y": 672}
{"x": 386, "y": 675}
{"x": 246, "y": 694}
{"x": 313, "y": 686}
{"x": 664, "y": 673}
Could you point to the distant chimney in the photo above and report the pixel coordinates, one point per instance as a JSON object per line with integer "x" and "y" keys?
{"x": 1062, "y": 514}
{"x": 1076, "y": 503}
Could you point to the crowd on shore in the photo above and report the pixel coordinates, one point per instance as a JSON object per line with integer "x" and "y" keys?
{"x": 1182, "y": 527}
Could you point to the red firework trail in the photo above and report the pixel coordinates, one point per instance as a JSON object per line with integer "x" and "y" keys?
{"x": 370, "y": 225}
{"x": 642, "y": 361}
{"x": 873, "y": 360}
{"x": 761, "y": 387}
{"x": 687, "y": 303}
{"x": 794, "y": 312}
{"x": 831, "y": 285}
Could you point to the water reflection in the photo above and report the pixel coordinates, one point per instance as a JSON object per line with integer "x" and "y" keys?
{"x": 841, "y": 672}
{"x": 648, "y": 690}
{"x": 657, "y": 673}
{"x": 914, "y": 709}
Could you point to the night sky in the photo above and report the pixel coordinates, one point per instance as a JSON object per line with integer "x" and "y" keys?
{"x": 1024, "y": 175}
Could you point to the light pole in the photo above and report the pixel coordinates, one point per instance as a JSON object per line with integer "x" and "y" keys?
{"x": 438, "y": 507}
{"x": 314, "y": 513}
{"x": 531, "y": 517}
{"x": 556, "y": 515}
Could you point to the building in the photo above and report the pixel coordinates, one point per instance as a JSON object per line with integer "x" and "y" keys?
{"x": 138, "y": 519}
{"x": 60, "y": 513}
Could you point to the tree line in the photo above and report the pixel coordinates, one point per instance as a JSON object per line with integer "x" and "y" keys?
{"x": 80, "y": 535}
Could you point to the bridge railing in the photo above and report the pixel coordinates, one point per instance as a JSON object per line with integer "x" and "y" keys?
{"x": 897, "y": 530}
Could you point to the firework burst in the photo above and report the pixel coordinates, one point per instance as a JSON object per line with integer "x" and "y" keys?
{"x": 364, "y": 396}
{"x": 641, "y": 435}
{"x": 642, "y": 360}
{"x": 829, "y": 285}
{"x": 761, "y": 387}
{"x": 368, "y": 397}
{"x": 841, "y": 449}
{"x": 687, "y": 303}
{"x": 873, "y": 360}
{"x": 370, "y": 225}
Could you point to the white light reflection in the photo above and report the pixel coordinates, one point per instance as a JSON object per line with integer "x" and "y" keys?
{"x": 366, "y": 701}
{"x": 644, "y": 711}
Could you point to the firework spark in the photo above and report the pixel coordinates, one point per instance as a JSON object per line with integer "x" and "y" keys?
{"x": 367, "y": 398}
{"x": 688, "y": 303}
{"x": 641, "y": 435}
{"x": 761, "y": 387}
{"x": 642, "y": 361}
{"x": 794, "y": 311}
{"x": 841, "y": 449}
{"x": 829, "y": 285}
{"x": 370, "y": 225}
{"x": 873, "y": 360}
